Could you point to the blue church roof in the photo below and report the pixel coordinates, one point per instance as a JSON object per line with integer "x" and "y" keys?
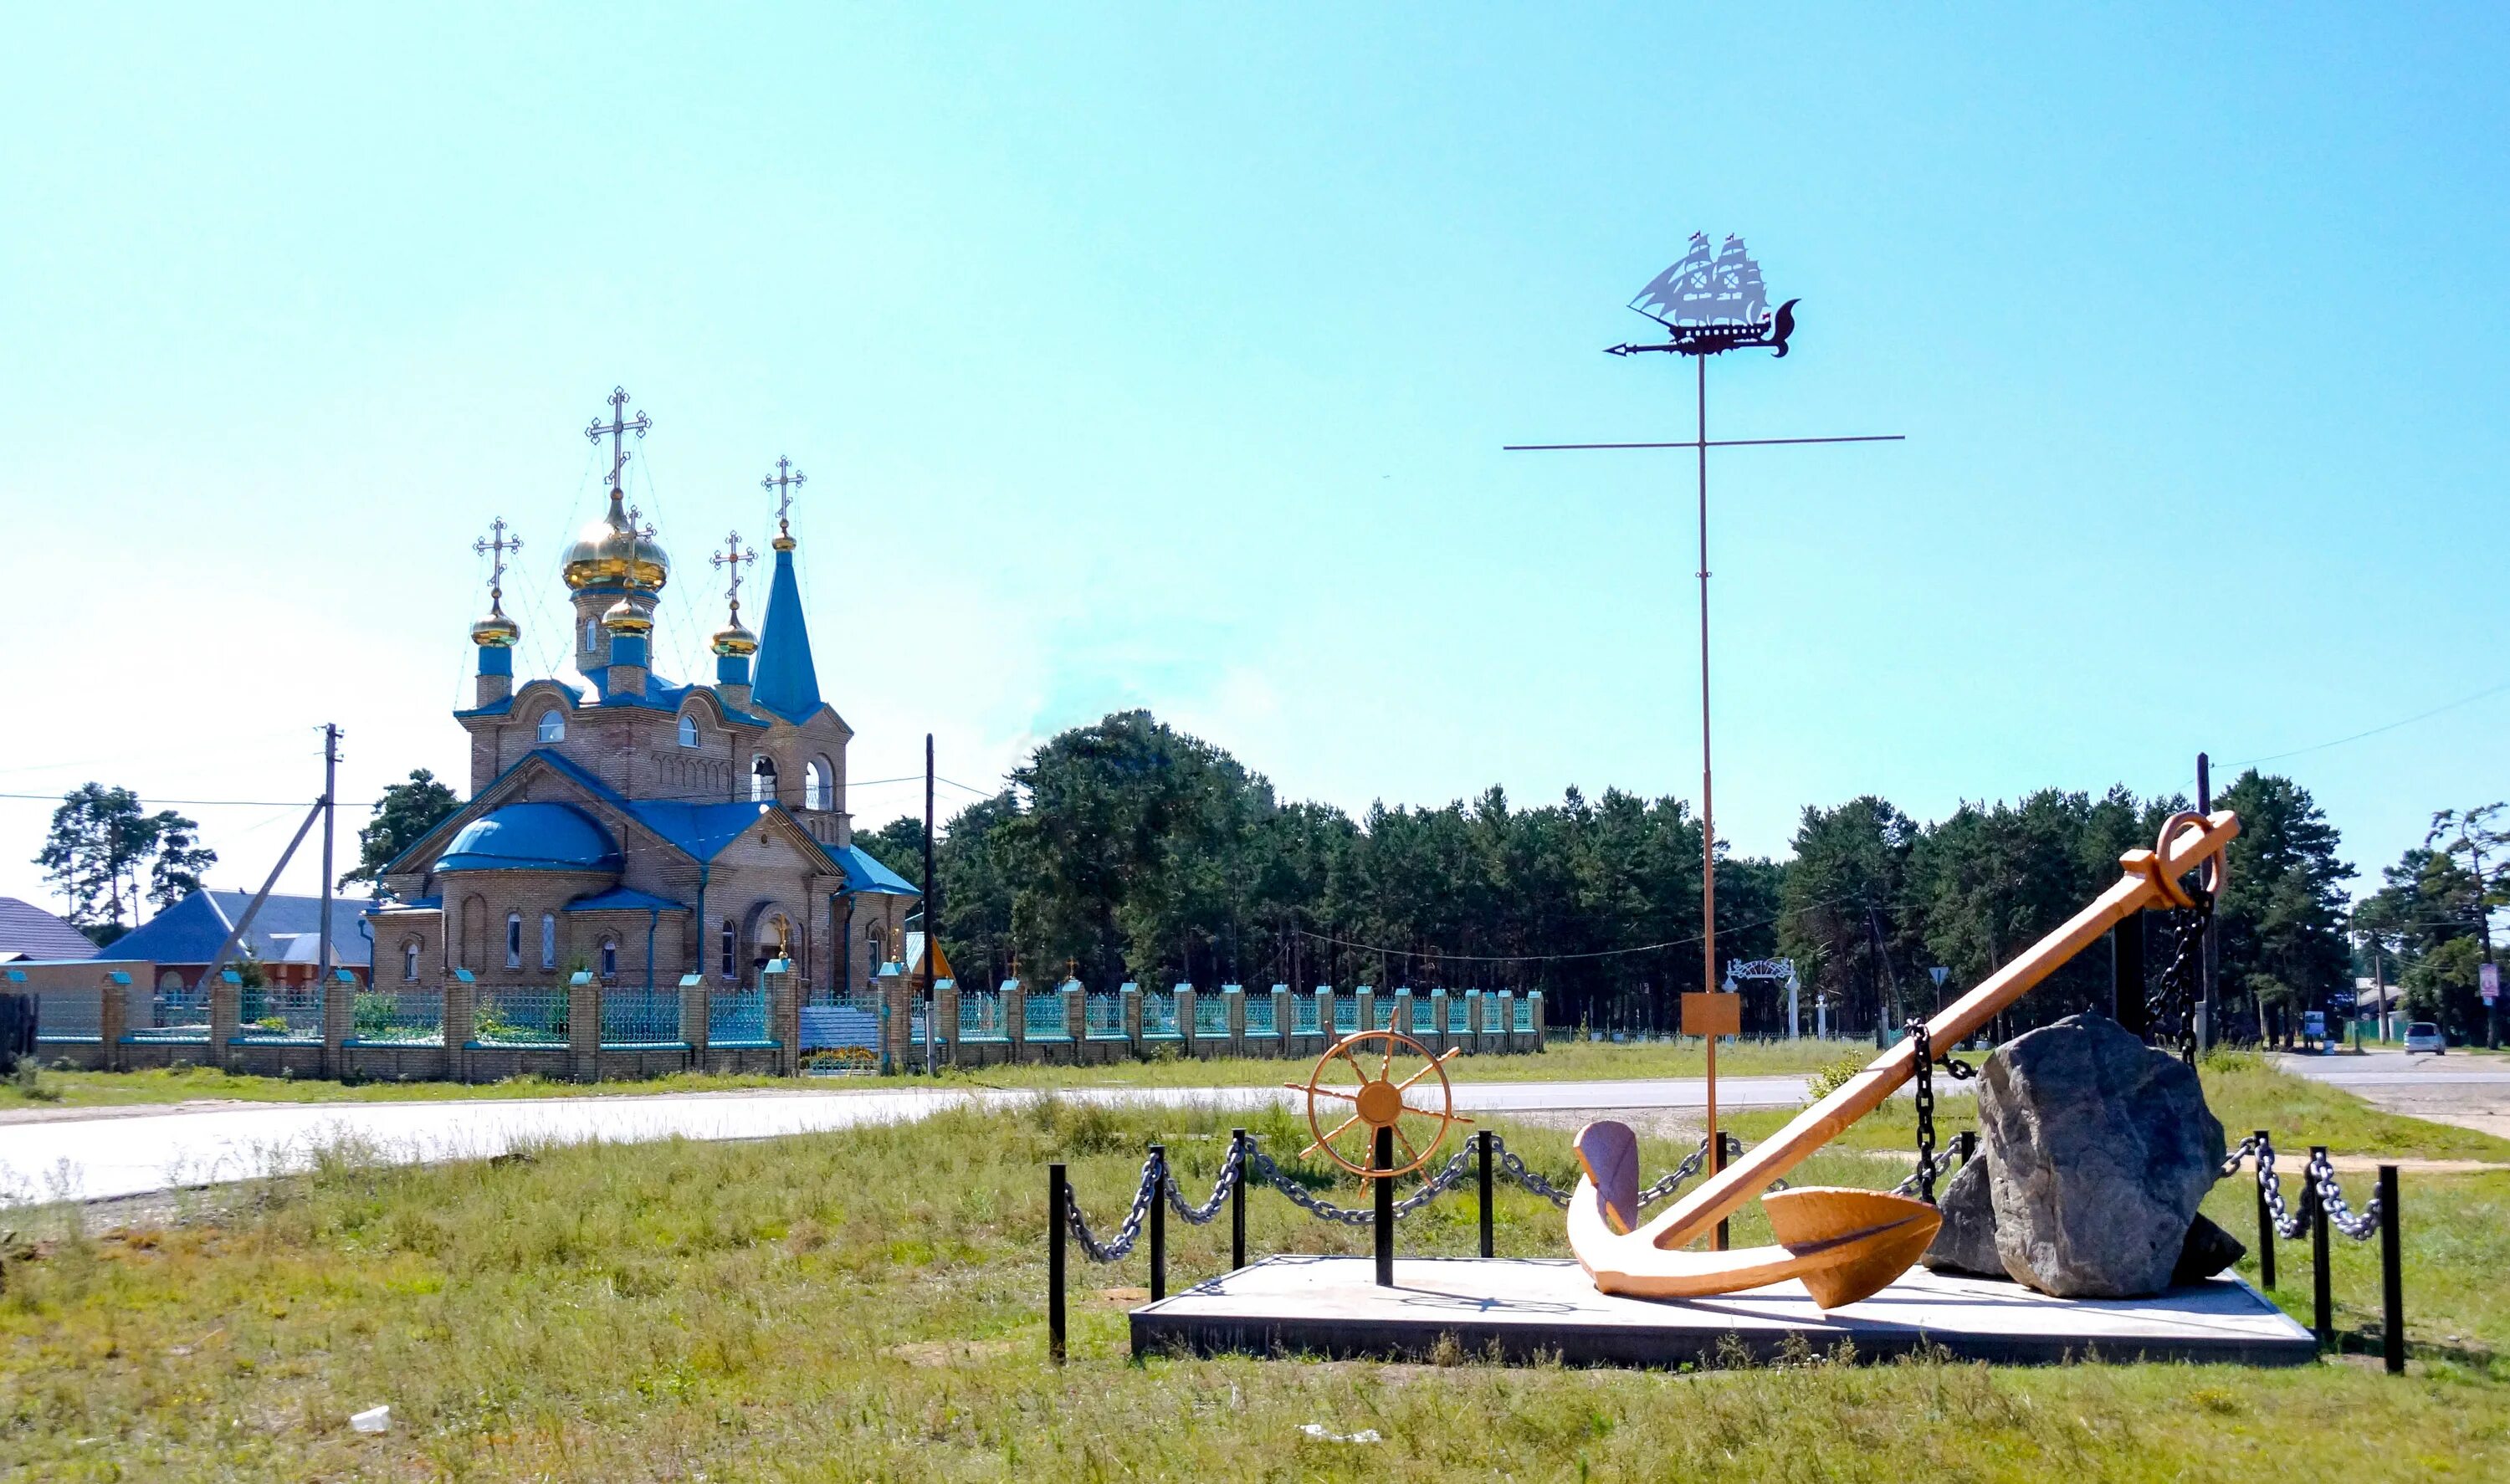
{"x": 787, "y": 684}
{"x": 191, "y": 931}
{"x": 527, "y": 837}
{"x": 865, "y": 874}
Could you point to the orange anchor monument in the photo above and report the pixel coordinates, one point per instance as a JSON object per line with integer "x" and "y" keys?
{"x": 1841, "y": 1245}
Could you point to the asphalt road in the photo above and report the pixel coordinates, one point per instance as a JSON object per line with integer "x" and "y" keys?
{"x": 110, "y": 1153}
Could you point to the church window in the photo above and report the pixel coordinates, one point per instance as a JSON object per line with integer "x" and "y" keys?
{"x": 731, "y": 948}
{"x": 513, "y": 940}
{"x": 552, "y": 726}
{"x": 610, "y": 958}
{"x": 688, "y": 730}
{"x": 820, "y": 789}
{"x": 591, "y": 634}
{"x": 878, "y": 957}
{"x": 762, "y": 779}
{"x": 548, "y": 940}
{"x": 409, "y": 959}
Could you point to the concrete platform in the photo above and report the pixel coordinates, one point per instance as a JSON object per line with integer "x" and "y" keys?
{"x": 1541, "y": 1306}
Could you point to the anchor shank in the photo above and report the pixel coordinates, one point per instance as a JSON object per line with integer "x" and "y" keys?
{"x": 1725, "y": 1193}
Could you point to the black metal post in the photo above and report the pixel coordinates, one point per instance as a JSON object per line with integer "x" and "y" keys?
{"x": 2392, "y": 1276}
{"x": 1159, "y": 1224}
{"x": 1384, "y": 1159}
{"x": 2322, "y": 1297}
{"x": 1238, "y": 1203}
{"x": 2126, "y": 977}
{"x": 1058, "y": 1200}
{"x": 1483, "y": 1140}
{"x": 2265, "y": 1228}
{"x": 1968, "y": 1145}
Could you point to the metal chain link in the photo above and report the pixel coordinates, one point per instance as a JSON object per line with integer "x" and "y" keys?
{"x": 2330, "y": 1199}
{"x": 1126, "y": 1234}
{"x": 1925, "y": 1057}
{"x": 1231, "y": 1171}
{"x": 2169, "y": 1010}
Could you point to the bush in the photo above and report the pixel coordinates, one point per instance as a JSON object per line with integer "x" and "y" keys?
{"x": 1830, "y": 1079}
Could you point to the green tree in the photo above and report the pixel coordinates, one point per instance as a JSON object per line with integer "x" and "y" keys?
{"x": 405, "y": 812}
{"x": 100, "y": 846}
{"x": 1843, "y": 900}
{"x": 897, "y": 844}
{"x": 2477, "y": 839}
{"x": 2280, "y": 923}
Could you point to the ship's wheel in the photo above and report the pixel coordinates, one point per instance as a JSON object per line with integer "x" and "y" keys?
{"x": 1363, "y": 1081}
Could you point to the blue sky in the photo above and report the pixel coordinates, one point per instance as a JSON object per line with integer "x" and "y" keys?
{"x": 1166, "y": 360}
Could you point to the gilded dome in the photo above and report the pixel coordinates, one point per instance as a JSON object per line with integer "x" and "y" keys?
{"x": 603, "y": 549}
{"x": 624, "y": 617}
{"x": 734, "y": 637}
{"x": 496, "y": 630}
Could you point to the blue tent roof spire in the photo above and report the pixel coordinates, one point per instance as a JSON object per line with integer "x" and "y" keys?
{"x": 788, "y": 682}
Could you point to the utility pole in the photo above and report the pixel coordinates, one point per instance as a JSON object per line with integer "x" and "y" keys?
{"x": 330, "y": 808}
{"x": 932, "y": 918}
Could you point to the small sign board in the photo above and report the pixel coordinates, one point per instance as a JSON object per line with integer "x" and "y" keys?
{"x": 1712, "y": 1014}
{"x": 2489, "y": 978}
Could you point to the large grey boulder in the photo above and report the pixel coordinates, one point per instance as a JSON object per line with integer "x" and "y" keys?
{"x": 1965, "y": 1244}
{"x": 2098, "y": 1150}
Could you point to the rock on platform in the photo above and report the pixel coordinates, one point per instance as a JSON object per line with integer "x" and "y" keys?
{"x": 1542, "y": 1307}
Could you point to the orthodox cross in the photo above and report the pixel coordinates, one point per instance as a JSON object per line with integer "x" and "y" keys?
{"x": 617, "y": 429}
{"x": 494, "y": 546}
{"x": 734, "y": 558}
{"x": 637, "y": 536}
{"x": 784, "y": 481}
{"x": 1711, "y": 303}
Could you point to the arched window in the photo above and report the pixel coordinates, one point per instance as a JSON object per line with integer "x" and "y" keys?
{"x": 688, "y": 730}
{"x": 513, "y": 940}
{"x": 820, "y": 788}
{"x": 610, "y": 958}
{"x": 730, "y": 949}
{"x": 548, "y": 940}
{"x": 762, "y": 779}
{"x": 409, "y": 959}
{"x": 591, "y": 634}
{"x": 878, "y": 957}
{"x": 553, "y": 725}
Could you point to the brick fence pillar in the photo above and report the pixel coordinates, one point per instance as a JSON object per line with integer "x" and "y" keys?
{"x": 112, "y": 1018}
{"x": 945, "y": 1019}
{"x": 584, "y": 1025}
{"x": 461, "y": 1007}
{"x": 226, "y": 1016}
{"x": 696, "y": 1017}
{"x": 784, "y": 1015}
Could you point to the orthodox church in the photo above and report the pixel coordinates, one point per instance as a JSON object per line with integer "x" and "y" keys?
{"x": 637, "y": 828}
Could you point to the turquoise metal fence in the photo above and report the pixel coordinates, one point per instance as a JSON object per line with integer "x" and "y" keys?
{"x": 1158, "y": 1017}
{"x": 289, "y": 1015}
{"x": 1303, "y": 1015}
{"x": 1212, "y": 1015}
{"x": 72, "y": 1014}
{"x": 737, "y": 1017}
{"x": 1041, "y": 1017}
{"x": 980, "y": 1015}
{"x": 1260, "y": 1018}
{"x": 1103, "y": 1018}
{"x": 520, "y": 1016}
{"x": 396, "y": 1017}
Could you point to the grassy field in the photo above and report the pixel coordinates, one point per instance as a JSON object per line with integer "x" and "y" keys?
{"x": 1581, "y": 1061}
{"x": 867, "y": 1305}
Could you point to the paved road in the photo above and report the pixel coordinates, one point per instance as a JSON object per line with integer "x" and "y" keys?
{"x": 119, "y": 1151}
{"x": 2469, "y": 1092}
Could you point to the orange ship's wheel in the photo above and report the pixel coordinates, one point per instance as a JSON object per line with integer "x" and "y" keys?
{"x": 1362, "y": 1082}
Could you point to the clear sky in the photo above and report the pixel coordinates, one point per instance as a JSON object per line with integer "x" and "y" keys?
{"x": 1165, "y": 357}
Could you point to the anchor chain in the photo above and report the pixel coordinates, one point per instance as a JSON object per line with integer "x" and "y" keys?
{"x": 1115, "y": 1249}
{"x": 2318, "y": 1180}
{"x": 1231, "y": 1171}
{"x": 2169, "y": 1010}
{"x": 1921, "y": 1180}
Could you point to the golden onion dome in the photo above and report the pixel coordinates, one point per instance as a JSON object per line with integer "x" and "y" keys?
{"x": 496, "y": 630}
{"x": 604, "y": 550}
{"x": 624, "y": 617}
{"x": 734, "y": 637}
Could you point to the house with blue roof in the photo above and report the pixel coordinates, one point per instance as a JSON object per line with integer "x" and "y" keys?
{"x": 637, "y": 827}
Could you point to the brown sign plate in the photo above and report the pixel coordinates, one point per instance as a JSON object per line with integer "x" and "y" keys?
{"x": 1712, "y": 1014}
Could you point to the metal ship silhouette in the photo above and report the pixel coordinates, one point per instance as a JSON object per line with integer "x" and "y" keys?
{"x": 1713, "y": 300}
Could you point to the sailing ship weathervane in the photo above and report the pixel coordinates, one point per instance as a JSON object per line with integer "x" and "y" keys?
{"x": 1712, "y": 301}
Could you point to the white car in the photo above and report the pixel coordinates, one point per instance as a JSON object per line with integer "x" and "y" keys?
{"x": 2423, "y": 1036}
